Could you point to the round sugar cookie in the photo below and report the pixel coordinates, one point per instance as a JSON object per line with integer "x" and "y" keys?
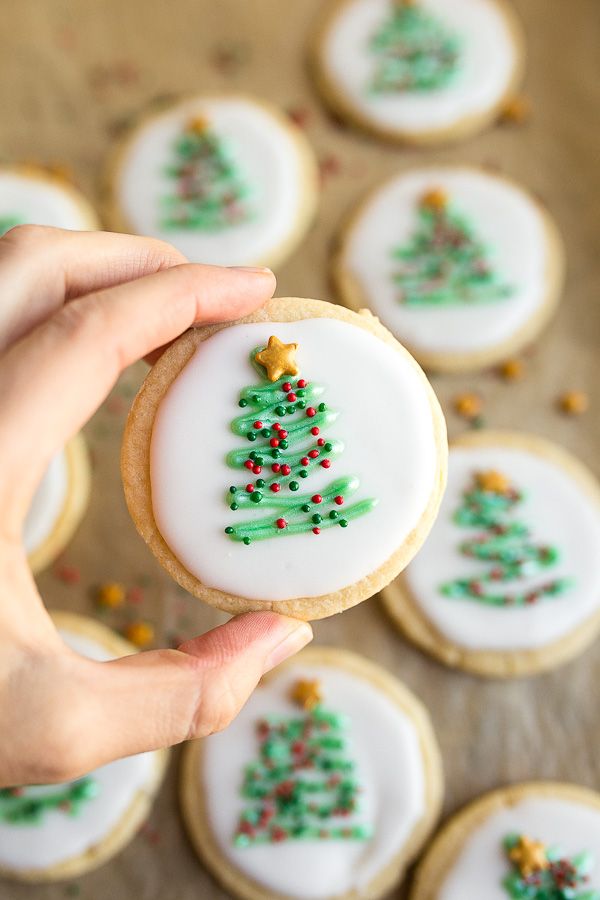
{"x": 228, "y": 179}
{"x": 296, "y": 799}
{"x": 418, "y": 71}
{"x": 259, "y": 488}
{"x": 51, "y": 832}
{"x": 31, "y": 195}
{"x": 537, "y": 840}
{"x": 58, "y": 505}
{"x": 507, "y": 583}
{"x": 463, "y": 265}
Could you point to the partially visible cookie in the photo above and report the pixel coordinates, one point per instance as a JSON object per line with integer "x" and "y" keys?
{"x": 59, "y": 504}
{"x": 464, "y": 266}
{"x": 507, "y": 583}
{"x": 32, "y": 195}
{"x": 326, "y": 785}
{"x": 531, "y": 841}
{"x": 418, "y": 71}
{"x": 228, "y": 179}
{"x": 51, "y": 832}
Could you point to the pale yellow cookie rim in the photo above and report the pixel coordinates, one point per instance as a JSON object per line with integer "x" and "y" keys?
{"x": 36, "y": 172}
{"x": 195, "y": 813}
{"x": 135, "y": 466}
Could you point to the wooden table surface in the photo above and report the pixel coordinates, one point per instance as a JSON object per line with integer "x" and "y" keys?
{"x": 71, "y": 74}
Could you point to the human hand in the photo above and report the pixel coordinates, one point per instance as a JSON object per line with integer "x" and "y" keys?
{"x": 76, "y": 309}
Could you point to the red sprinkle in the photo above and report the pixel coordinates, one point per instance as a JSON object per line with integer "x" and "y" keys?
{"x": 311, "y": 411}
{"x": 314, "y": 430}
{"x": 291, "y": 396}
{"x": 275, "y": 488}
{"x": 274, "y": 442}
{"x": 316, "y": 531}
{"x": 281, "y": 523}
{"x": 276, "y": 426}
{"x": 321, "y": 442}
{"x": 276, "y": 467}
{"x": 249, "y": 488}
{"x": 258, "y": 424}
{"x": 325, "y": 463}
{"x": 286, "y": 387}
{"x": 305, "y": 460}
{"x": 313, "y": 454}
{"x": 257, "y": 470}
{"x": 339, "y": 499}
{"x": 285, "y": 470}
{"x": 301, "y": 383}
{"x": 316, "y": 498}
{"x": 249, "y": 464}
{"x": 283, "y": 434}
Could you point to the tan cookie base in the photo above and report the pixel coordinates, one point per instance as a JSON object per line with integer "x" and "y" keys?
{"x": 138, "y": 810}
{"x": 463, "y": 128}
{"x": 409, "y": 617}
{"x": 135, "y": 467}
{"x": 196, "y": 817}
{"x": 75, "y": 505}
{"x": 449, "y": 843}
{"x": 309, "y": 172}
{"x": 353, "y": 295}
{"x": 38, "y": 173}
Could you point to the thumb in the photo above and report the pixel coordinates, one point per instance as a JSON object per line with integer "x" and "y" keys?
{"x": 155, "y": 699}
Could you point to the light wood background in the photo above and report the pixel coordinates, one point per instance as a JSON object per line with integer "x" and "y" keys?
{"x": 71, "y": 72}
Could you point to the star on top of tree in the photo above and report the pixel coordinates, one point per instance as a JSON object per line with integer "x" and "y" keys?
{"x": 278, "y": 359}
{"x": 198, "y": 124}
{"x": 307, "y": 693}
{"x": 493, "y": 481}
{"x": 529, "y": 856}
{"x": 435, "y": 199}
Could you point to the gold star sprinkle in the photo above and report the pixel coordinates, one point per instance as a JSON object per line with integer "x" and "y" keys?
{"x": 512, "y": 370}
{"x": 111, "y": 594}
{"x": 574, "y": 403}
{"x": 492, "y": 481}
{"x": 468, "y": 405}
{"x": 278, "y": 359}
{"x": 529, "y": 856}
{"x": 516, "y": 110}
{"x": 197, "y": 125}
{"x": 139, "y": 633}
{"x": 307, "y": 694}
{"x": 435, "y": 199}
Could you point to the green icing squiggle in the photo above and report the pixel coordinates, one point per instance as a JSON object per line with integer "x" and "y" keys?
{"x": 23, "y": 806}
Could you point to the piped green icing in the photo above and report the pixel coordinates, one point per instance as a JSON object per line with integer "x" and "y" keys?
{"x": 445, "y": 264}
{"x": 558, "y": 878}
{"x": 505, "y": 543}
{"x": 210, "y": 194}
{"x": 28, "y": 806}
{"x": 9, "y": 221}
{"x": 303, "y": 786}
{"x": 414, "y": 51}
{"x": 302, "y": 451}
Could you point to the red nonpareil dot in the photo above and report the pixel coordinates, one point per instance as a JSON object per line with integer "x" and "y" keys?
{"x": 325, "y": 463}
{"x": 258, "y": 424}
{"x": 276, "y": 426}
{"x": 314, "y": 430}
{"x": 249, "y": 464}
{"x": 283, "y": 434}
{"x": 339, "y": 499}
{"x": 311, "y": 411}
{"x": 291, "y": 397}
{"x": 313, "y": 454}
{"x": 301, "y": 383}
{"x": 257, "y": 469}
{"x": 274, "y": 442}
{"x": 316, "y": 498}
{"x": 281, "y": 523}
{"x": 275, "y": 488}
{"x": 316, "y": 531}
{"x": 305, "y": 460}
{"x": 321, "y": 442}
{"x": 276, "y": 467}
{"x": 285, "y": 470}
{"x": 286, "y": 387}
{"x": 249, "y": 488}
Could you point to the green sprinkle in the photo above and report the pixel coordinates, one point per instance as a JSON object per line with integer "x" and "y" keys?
{"x": 343, "y": 523}
{"x": 266, "y": 432}
{"x": 294, "y": 485}
{"x": 317, "y": 518}
{"x": 251, "y": 436}
{"x": 322, "y": 407}
{"x": 229, "y": 530}
{"x": 305, "y": 507}
{"x": 303, "y": 473}
{"x": 328, "y": 447}
{"x": 232, "y": 489}
{"x": 243, "y": 403}
{"x": 283, "y": 445}
{"x": 280, "y": 410}
{"x": 246, "y": 541}
{"x": 260, "y": 482}
{"x": 256, "y": 497}
{"x": 301, "y": 404}
{"x": 291, "y": 409}
{"x": 234, "y": 506}
{"x": 333, "y": 514}
{"x": 275, "y": 453}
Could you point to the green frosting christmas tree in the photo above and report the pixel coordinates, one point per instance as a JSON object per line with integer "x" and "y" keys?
{"x": 210, "y": 195}
{"x": 302, "y": 786}
{"x": 444, "y": 263}
{"x": 413, "y": 51}
{"x": 488, "y": 507}
{"x": 285, "y": 424}
{"x": 28, "y": 806}
{"x": 543, "y": 873}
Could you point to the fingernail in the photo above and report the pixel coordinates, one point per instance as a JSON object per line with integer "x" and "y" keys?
{"x": 257, "y": 270}
{"x": 291, "y": 643}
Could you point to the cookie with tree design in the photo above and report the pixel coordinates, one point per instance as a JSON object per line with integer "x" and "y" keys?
{"x": 295, "y": 799}
{"x": 507, "y": 582}
{"x": 418, "y": 71}
{"x": 537, "y": 841}
{"x": 53, "y": 832}
{"x": 303, "y": 444}
{"x": 229, "y": 180}
{"x": 464, "y": 266}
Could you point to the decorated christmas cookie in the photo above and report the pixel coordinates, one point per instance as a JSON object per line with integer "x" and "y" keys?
{"x": 228, "y": 180}
{"x": 293, "y": 460}
{"x": 538, "y": 841}
{"x": 34, "y": 196}
{"x": 58, "y": 505}
{"x": 462, "y": 265}
{"x": 50, "y": 832}
{"x": 296, "y": 798}
{"x": 419, "y": 71}
{"x": 508, "y": 581}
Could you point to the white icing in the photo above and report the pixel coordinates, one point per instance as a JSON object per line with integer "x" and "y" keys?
{"x": 486, "y": 67}
{"x": 558, "y": 512}
{"x": 386, "y": 426}
{"x": 504, "y": 218}
{"x": 389, "y": 769}
{"x": 60, "y": 837}
{"x": 47, "y": 504}
{"x": 269, "y": 162}
{"x": 36, "y": 201}
{"x": 480, "y": 867}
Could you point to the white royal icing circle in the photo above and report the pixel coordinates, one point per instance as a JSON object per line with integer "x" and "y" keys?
{"x": 390, "y": 770}
{"x": 387, "y": 428}
{"x": 60, "y": 837}
{"x": 489, "y": 57}
{"x": 505, "y": 219}
{"x": 558, "y": 510}
{"x": 480, "y": 867}
{"x": 32, "y": 200}
{"x": 270, "y": 156}
{"x": 47, "y": 504}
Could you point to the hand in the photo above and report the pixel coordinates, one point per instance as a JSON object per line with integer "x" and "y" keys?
{"x": 75, "y": 310}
